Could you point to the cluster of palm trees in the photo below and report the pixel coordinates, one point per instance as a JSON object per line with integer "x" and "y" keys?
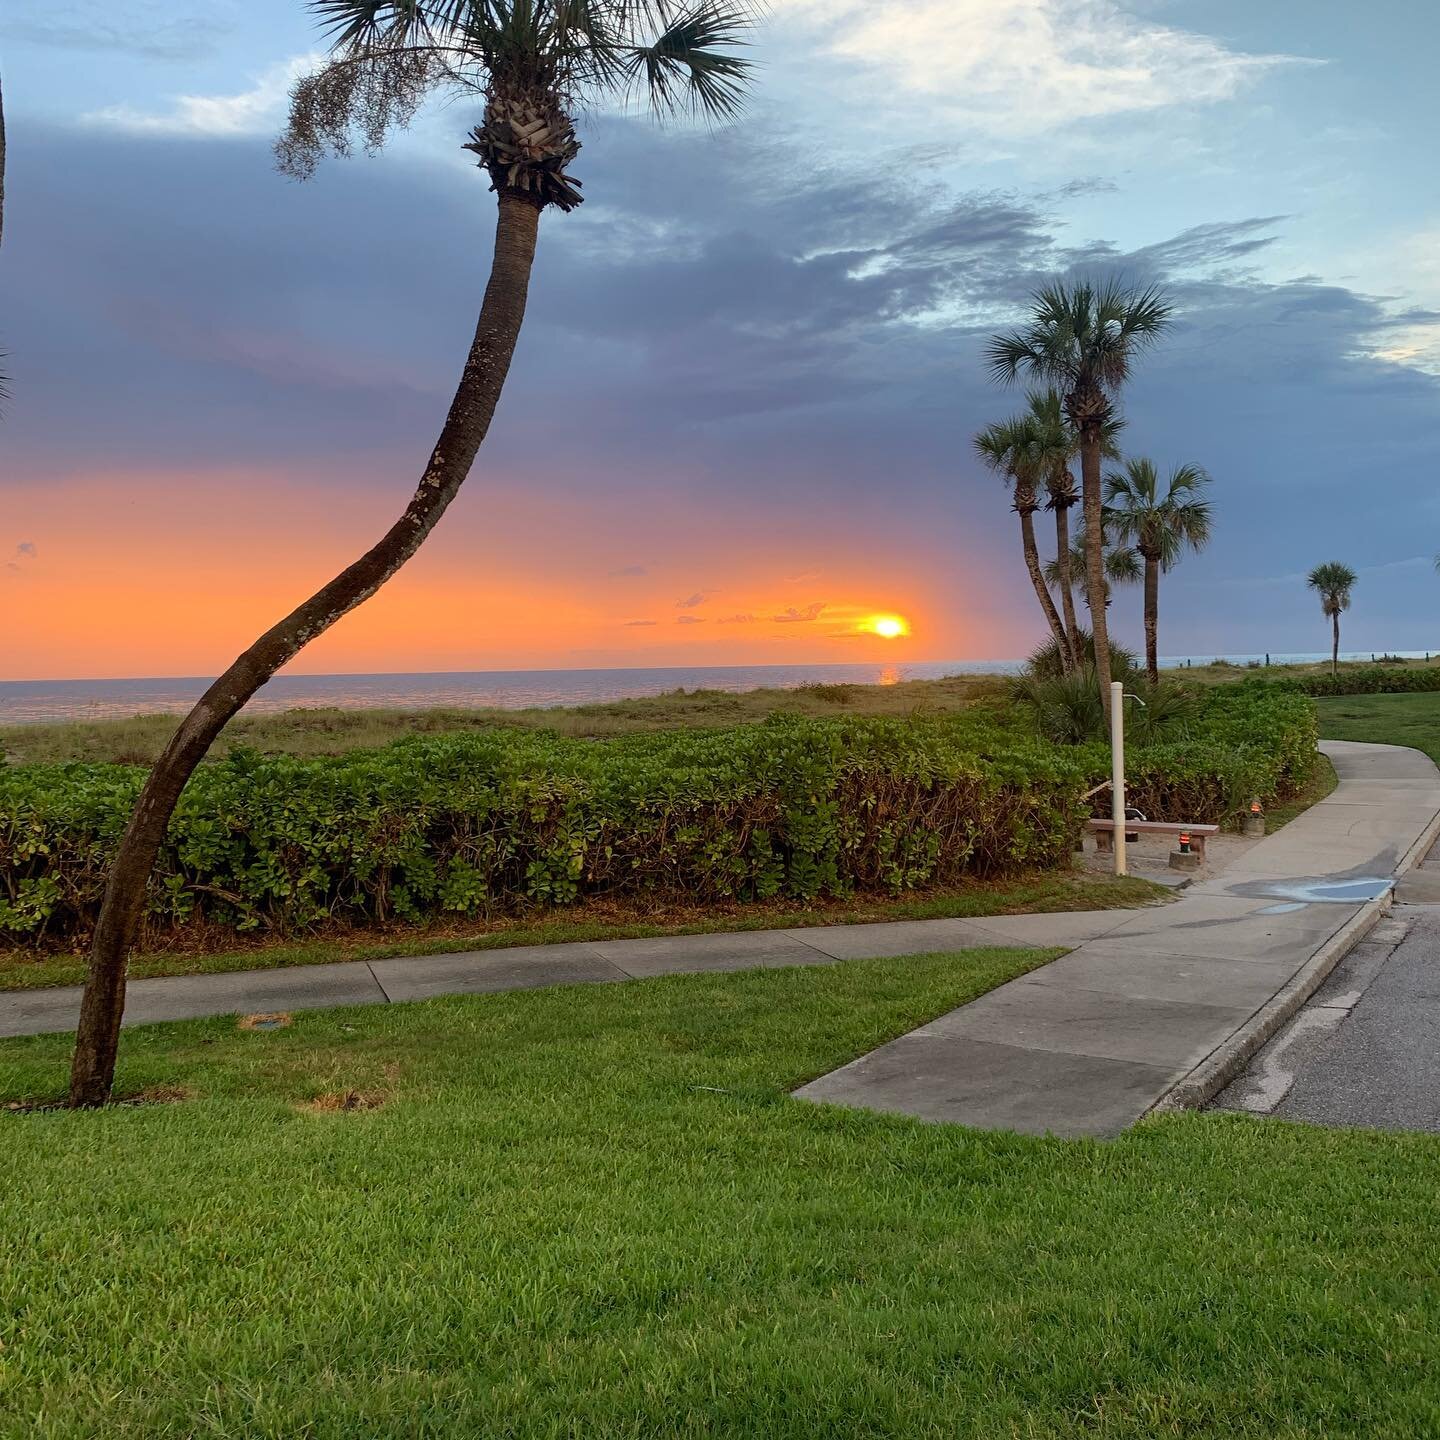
{"x": 1082, "y": 341}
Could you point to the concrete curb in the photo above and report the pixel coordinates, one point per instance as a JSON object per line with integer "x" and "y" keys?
{"x": 1228, "y": 1060}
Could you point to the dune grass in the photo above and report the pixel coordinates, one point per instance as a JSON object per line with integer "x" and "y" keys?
{"x": 1412, "y": 720}
{"x": 333, "y": 731}
{"x": 22, "y": 969}
{"x": 597, "y": 1213}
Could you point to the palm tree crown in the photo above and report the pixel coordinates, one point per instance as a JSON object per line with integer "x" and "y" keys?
{"x": 1083, "y": 339}
{"x": 534, "y": 61}
{"x": 1161, "y": 527}
{"x": 1333, "y": 583}
{"x": 1008, "y": 447}
{"x": 1122, "y": 566}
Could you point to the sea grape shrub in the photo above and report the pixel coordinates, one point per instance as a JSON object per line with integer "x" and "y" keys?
{"x": 1251, "y": 738}
{"x": 503, "y": 822}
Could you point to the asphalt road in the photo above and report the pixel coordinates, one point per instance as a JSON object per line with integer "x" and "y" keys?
{"x": 1366, "y": 1049}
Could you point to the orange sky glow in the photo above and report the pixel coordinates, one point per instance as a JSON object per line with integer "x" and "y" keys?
{"x": 174, "y": 574}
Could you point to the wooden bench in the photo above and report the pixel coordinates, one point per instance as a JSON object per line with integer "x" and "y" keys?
{"x": 1104, "y": 832}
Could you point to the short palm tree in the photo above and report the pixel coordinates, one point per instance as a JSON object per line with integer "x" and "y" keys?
{"x": 1084, "y": 339}
{"x": 532, "y": 65}
{"x": 1122, "y": 567}
{"x": 1011, "y": 449}
{"x": 1333, "y": 582}
{"x": 1161, "y": 527}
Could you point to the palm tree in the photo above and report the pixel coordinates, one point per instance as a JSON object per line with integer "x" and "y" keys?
{"x": 1333, "y": 583}
{"x": 1057, "y": 446}
{"x": 1010, "y": 448}
{"x": 1084, "y": 339}
{"x": 1160, "y": 527}
{"x": 533, "y": 64}
{"x": 1122, "y": 567}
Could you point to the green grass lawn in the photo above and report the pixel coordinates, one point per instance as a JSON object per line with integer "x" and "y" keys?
{"x": 1385, "y": 719}
{"x": 596, "y": 1212}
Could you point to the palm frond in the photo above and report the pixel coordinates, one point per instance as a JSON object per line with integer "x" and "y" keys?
{"x": 690, "y": 67}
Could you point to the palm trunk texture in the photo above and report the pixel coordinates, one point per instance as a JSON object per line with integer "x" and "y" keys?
{"x": 1037, "y": 579}
{"x": 1092, "y": 507}
{"x": 1335, "y": 644}
{"x": 1067, "y": 586}
{"x": 1152, "y": 618}
{"x": 501, "y": 314}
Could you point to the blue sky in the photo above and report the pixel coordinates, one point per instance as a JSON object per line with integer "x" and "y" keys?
{"x": 751, "y": 368}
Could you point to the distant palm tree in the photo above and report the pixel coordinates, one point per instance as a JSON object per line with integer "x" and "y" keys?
{"x": 1010, "y": 448}
{"x": 1084, "y": 339}
{"x": 533, "y": 65}
{"x": 1161, "y": 527}
{"x": 1333, "y": 583}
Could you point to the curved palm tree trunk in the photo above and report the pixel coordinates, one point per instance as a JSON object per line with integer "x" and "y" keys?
{"x": 1037, "y": 579}
{"x": 2, "y": 166}
{"x": 1093, "y": 509}
{"x": 1152, "y": 618}
{"x": 1335, "y": 643}
{"x": 1067, "y": 586}
{"x": 501, "y": 314}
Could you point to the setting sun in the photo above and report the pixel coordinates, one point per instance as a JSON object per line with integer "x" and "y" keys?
{"x": 888, "y": 627}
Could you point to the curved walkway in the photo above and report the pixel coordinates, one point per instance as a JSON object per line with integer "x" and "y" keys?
{"x": 1089, "y": 1043}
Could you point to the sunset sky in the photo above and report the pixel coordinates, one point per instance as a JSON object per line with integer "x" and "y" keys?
{"x": 738, "y": 427}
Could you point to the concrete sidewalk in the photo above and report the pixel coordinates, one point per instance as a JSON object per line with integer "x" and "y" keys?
{"x": 376, "y": 982}
{"x": 1088, "y": 1044}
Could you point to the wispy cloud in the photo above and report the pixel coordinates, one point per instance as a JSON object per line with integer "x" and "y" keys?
{"x": 691, "y": 601}
{"x": 1023, "y": 66}
{"x": 743, "y": 619}
{"x": 799, "y": 615}
{"x": 634, "y": 623}
{"x": 689, "y": 620}
{"x": 627, "y": 570}
{"x": 147, "y": 27}
{"x": 24, "y": 552}
{"x": 250, "y": 112}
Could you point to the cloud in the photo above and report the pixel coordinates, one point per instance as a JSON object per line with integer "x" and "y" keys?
{"x": 691, "y": 601}
{"x": 627, "y": 570}
{"x": 632, "y": 624}
{"x": 794, "y": 615}
{"x": 743, "y": 619}
{"x": 256, "y": 111}
{"x": 24, "y": 551}
{"x": 689, "y": 620}
{"x": 1020, "y": 67}
{"x": 150, "y": 28}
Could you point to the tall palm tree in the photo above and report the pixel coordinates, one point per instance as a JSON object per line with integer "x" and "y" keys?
{"x": 1084, "y": 339}
{"x": 1010, "y": 448}
{"x": 1161, "y": 527}
{"x": 533, "y": 64}
{"x": 1333, "y": 583}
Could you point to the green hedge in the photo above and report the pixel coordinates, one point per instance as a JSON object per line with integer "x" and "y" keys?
{"x": 499, "y": 821}
{"x": 1253, "y": 738}
{"x": 496, "y": 821}
{"x": 1371, "y": 681}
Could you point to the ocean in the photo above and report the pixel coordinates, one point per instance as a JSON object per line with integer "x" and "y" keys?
{"x": 23, "y": 701}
